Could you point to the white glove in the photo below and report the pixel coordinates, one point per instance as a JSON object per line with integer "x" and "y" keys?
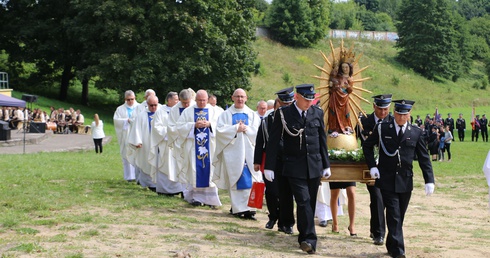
{"x": 269, "y": 174}
{"x": 374, "y": 172}
{"x": 327, "y": 173}
{"x": 429, "y": 188}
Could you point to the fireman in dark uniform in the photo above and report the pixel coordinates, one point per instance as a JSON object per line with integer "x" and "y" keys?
{"x": 278, "y": 194}
{"x": 304, "y": 158}
{"x": 398, "y": 141}
{"x": 381, "y": 106}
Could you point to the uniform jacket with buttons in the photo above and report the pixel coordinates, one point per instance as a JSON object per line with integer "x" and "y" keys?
{"x": 394, "y": 176}
{"x": 307, "y": 161}
{"x": 368, "y": 124}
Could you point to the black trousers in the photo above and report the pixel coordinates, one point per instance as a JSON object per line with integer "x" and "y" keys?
{"x": 305, "y": 192}
{"x": 286, "y": 202}
{"x": 396, "y": 206}
{"x": 98, "y": 145}
{"x": 474, "y": 134}
{"x": 377, "y": 221}
{"x": 461, "y": 135}
{"x": 484, "y": 134}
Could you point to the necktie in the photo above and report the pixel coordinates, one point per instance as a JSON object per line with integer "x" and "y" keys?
{"x": 303, "y": 116}
{"x": 400, "y": 134}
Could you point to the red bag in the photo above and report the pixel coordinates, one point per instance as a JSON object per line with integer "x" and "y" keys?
{"x": 256, "y": 198}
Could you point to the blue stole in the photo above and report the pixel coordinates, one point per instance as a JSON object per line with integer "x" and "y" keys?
{"x": 130, "y": 110}
{"x": 150, "y": 118}
{"x": 203, "y": 163}
{"x": 245, "y": 180}
{"x": 180, "y": 110}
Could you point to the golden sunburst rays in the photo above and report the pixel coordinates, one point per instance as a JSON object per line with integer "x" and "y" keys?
{"x": 336, "y": 57}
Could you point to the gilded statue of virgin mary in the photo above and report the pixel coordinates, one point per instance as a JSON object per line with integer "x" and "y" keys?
{"x": 340, "y": 96}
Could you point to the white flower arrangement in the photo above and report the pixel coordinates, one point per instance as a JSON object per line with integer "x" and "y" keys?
{"x": 344, "y": 155}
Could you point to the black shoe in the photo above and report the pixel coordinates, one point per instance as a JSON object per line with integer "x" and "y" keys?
{"x": 249, "y": 215}
{"x": 323, "y": 223}
{"x": 153, "y": 189}
{"x": 280, "y": 228}
{"x": 306, "y": 247}
{"x": 270, "y": 224}
{"x": 378, "y": 241}
{"x": 196, "y": 203}
{"x": 288, "y": 230}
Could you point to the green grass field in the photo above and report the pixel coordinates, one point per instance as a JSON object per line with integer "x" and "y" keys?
{"x": 79, "y": 197}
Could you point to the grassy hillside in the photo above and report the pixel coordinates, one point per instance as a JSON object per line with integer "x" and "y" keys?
{"x": 278, "y": 62}
{"x": 388, "y": 76}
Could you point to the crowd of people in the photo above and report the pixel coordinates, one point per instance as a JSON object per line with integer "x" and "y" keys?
{"x": 191, "y": 147}
{"x": 58, "y": 120}
{"x": 65, "y": 121}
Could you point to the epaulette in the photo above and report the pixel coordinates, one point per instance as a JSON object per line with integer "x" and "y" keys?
{"x": 416, "y": 127}
{"x": 315, "y": 106}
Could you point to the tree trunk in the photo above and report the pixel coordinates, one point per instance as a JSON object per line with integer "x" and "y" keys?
{"x": 66, "y": 76}
{"x": 85, "y": 91}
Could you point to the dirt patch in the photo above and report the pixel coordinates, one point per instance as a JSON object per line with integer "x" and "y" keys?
{"x": 436, "y": 226}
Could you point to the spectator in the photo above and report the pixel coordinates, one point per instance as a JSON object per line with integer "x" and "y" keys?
{"x": 461, "y": 126}
{"x": 447, "y": 141}
{"x": 97, "y": 133}
{"x": 475, "y": 128}
{"x": 483, "y": 128}
{"x": 79, "y": 120}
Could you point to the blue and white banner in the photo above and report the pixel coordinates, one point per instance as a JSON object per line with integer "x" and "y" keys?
{"x": 245, "y": 180}
{"x": 203, "y": 163}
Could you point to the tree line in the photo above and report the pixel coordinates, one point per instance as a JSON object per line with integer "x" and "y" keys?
{"x": 120, "y": 45}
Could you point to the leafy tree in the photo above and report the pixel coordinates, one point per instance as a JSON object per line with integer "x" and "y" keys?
{"x": 385, "y": 23}
{"x": 480, "y": 26}
{"x": 33, "y": 32}
{"x": 428, "y": 40}
{"x": 473, "y": 8}
{"x": 298, "y": 23}
{"x": 320, "y": 10}
{"x": 464, "y": 45}
{"x": 259, "y": 10}
{"x": 343, "y": 15}
{"x": 390, "y": 7}
{"x": 164, "y": 45}
{"x": 371, "y": 5}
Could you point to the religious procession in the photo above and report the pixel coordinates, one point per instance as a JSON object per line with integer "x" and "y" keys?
{"x": 190, "y": 147}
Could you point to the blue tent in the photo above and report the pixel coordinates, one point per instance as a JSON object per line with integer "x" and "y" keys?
{"x": 6, "y": 101}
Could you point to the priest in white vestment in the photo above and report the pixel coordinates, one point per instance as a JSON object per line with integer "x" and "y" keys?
{"x": 172, "y": 100}
{"x": 235, "y": 143}
{"x": 140, "y": 108}
{"x": 139, "y": 141}
{"x": 196, "y": 126}
{"x": 121, "y": 124}
{"x": 186, "y": 99}
{"x": 161, "y": 161}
